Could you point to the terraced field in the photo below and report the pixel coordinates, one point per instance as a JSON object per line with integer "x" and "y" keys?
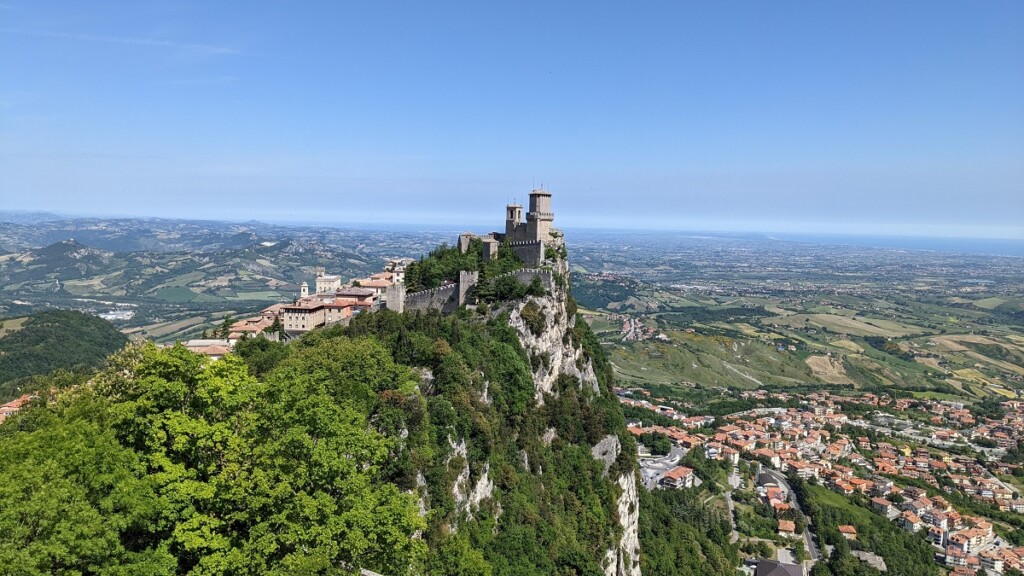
{"x": 934, "y": 347}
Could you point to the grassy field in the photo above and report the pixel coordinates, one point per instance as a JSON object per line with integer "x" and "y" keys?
{"x": 828, "y": 369}
{"x": 11, "y": 325}
{"x": 710, "y": 360}
{"x": 728, "y": 341}
{"x": 826, "y": 496}
{"x": 176, "y": 294}
{"x": 262, "y": 295}
{"x": 989, "y": 303}
{"x": 847, "y": 324}
{"x": 159, "y": 330}
{"x": 183, "y": 280}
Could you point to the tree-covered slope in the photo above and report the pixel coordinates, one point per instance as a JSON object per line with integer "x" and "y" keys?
{"x": 52, "y": 340}
{"x": 486, "y": 442}
{"x": 168, "y": 463}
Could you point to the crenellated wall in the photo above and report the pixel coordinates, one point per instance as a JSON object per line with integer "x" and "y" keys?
{"x": 449, "y": 298}
{"x": 531, "y": 252}
{"x": 444, "y": 299}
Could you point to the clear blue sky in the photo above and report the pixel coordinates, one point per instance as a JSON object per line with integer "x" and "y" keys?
{"x": 841, "y": 116}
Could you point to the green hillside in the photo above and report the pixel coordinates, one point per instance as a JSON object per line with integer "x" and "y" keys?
{"x": 403, "y": 443}
{"x": 52, "y": 340}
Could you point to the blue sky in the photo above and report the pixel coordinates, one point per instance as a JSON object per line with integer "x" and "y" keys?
{"x": 875, "y": 117}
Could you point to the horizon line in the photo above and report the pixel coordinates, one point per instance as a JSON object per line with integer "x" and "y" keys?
{"x": 727, "y": 228}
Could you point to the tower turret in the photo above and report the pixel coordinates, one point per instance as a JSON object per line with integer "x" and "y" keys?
{"x": 540, "y": 216}
{"x": 514, "y": 221}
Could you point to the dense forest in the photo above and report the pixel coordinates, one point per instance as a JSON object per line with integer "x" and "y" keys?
{"x": 444, "y": 263}
{"x": 48, "y": 341}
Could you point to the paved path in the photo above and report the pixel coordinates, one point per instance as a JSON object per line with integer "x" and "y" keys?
{"x": 734, "y": 535}
{"x": 809, "y": 545}
{"x": 652, "y": 469}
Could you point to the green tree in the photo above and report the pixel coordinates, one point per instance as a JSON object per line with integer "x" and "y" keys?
{"x": 260, "y": 354}
{"x": 225, "y": 327}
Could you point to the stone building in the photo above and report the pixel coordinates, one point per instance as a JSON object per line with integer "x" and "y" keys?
{"x": 528, "y": 237}
{"x": 537, "y": 226}
{"x": 326, "y": 283}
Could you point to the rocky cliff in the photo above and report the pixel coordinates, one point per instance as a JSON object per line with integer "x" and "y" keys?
{"x": 546, "y": 329}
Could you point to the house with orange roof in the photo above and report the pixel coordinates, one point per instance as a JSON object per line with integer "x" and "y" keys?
{"x": 13, "y": 406}
{"x": 848, "y": 531}
{"x": 910, "y": 521}
{"x": 787, "y": 528}
{"x": 678, "y": 477}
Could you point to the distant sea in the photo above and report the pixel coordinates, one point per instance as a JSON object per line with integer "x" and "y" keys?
{"x": 987, "y": 246}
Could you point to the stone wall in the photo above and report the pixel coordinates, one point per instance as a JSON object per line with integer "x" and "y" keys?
{"x": 531, "y": 252}
{"x": 444, "y": 299}
{"x": 449, "y": 298}
{"x": 526, "y": 276}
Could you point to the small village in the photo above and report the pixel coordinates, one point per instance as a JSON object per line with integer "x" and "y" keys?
{"x": 331, "y": 302}
{"x": 893, "y": 463}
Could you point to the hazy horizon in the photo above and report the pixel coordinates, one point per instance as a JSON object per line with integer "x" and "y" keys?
{"x": 490, "y": 223}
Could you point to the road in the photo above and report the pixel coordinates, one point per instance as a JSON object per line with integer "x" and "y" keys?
{"x": 734, "y": 483}
{"x": 652, "y": 469}
{"x": 812, "y": 548}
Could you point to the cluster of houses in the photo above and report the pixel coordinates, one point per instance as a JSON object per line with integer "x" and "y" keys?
{"x": 634, "y": 330}
{"x": 627, "y": 398}
{"x": 13, "y": 406}
{"x": 803, "y": 441}
{"x": 331, "y": 302}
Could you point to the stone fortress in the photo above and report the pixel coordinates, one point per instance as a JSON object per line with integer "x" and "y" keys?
{"x": 332, "y": 302}
{"x": 529, "y": 240}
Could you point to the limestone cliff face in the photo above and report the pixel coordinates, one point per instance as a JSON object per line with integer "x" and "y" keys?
{"x": 551, "y": 344}
{"x": 545, "y": 326}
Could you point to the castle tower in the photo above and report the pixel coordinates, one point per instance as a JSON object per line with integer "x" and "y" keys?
{"x": 540, "y": 216}
{"x": 513, "y": 221}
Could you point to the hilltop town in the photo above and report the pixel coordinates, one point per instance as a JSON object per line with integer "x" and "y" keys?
{"x": 532, "y": 240}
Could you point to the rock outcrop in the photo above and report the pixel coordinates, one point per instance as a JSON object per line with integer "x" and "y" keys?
{"x": 545, "y": 333}
{"x": 545, "y": 329}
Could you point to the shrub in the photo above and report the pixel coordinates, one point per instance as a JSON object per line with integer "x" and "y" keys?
{"x": 534, "y": 317}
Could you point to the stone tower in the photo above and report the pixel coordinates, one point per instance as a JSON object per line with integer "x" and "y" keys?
{"x": 303, "y": 290}
{"x": 540, "y": 216}
{"x": 514, "y": 221}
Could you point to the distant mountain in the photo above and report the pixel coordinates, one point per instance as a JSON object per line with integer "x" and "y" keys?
{"x": 249, "y": 269}
{"x": 48, "y": 341}
{"x": 9, "y": 216}
{"x": 165, "y": 273}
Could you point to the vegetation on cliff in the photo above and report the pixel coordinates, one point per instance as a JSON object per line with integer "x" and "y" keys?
{"x": 313, "y": 457}
{"x": 444, "y": 263}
